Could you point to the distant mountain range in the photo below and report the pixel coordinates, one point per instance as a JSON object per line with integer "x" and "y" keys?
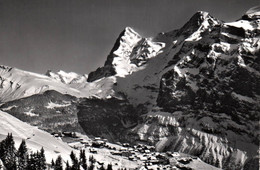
{"x": 193, "y": 90}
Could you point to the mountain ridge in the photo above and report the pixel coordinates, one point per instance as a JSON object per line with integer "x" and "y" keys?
{"x": 207, "y": 91}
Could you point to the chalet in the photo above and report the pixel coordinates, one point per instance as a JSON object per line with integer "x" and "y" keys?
{"x": 152, "y": 158}
{"x": 97, "y": 138}
{"x": 126, "y": 154}
{"x": 98, "y": 144}
{"x": 122, "y": 149}
{"x": 184, "y": 161}
{"x": 130, "y": 149}
{"x": 85, "y": 143}
{"x": 125, "y": 144}
{"x": 151, "y": 148}
{"x": 57, "y": 134}
{"x": 147, "y": 151}
{"x": 76, "y": 145}
{"x": 91, "y": 150}
{"x": 70, "y": 134}
{"x": 175, "y": 154}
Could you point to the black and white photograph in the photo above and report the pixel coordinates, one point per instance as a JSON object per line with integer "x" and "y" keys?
{"x": 129, "y": 84}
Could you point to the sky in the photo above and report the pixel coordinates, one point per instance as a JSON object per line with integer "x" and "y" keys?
{"x": 77, "y": 35}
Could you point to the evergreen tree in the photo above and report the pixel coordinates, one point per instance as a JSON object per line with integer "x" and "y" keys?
{"x": 109, "y": 167}
{"x": 31, "y": 162}
{"x": 28, "y": 162}
{"x": 92, "y": 166}
{"x": 83, "y": 160}
{"x": 75, "y": 162}
{"x": 8, "y": 152}
{"x": 36, "y": 161}
{"x": 42, "y": 160}
{"x": 2, "y": 148}
{"x": 92, "y": 159}
{"x": 52, "y": 163}
{"x": 20, "y": 160}
{"x": 102, "y": 167}
{"x": 58, "y": 164}
{"x": 22, "y": 156}
{"x": 67, "y": 166}
{"x": 92, "y": 162}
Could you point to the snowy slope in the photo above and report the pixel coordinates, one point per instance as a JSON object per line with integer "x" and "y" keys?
{"x": 35, "y": 138}
{"x": 17, "y": 83}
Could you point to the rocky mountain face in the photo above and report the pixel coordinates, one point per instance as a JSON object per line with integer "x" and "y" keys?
{"x": 198, "y": 85}
{"x": 217, "y": 75}
{"x": 110, "y": 118}
{"x": 192, "y": 90}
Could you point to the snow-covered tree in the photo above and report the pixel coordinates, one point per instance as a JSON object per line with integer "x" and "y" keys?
{"x": 8, "y": 152}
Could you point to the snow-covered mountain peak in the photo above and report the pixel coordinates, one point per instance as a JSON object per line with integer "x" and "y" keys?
{"x": 67, "y": 78}
{"x": 130, "y": 30}
{"x": 199, "y": 23}
{"x": 128, "y": 37}
{"x": 121, "y": 61}
{"x": 130, "y": 52}
{"x": 203, "y": 14}
{"x": 199, "y": 17}
{"x": 123, "y": 47}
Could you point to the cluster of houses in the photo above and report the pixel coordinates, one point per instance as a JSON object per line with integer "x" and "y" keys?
{"x": 141, "y": 152}
{"x": 64, "y": 134}
{"x": 145, "y": 154}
